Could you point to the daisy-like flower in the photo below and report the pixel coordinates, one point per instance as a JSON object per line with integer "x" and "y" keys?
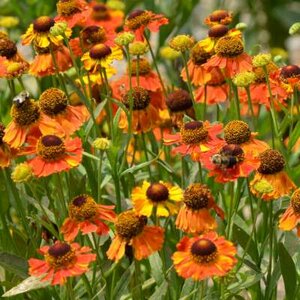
{"x": 54, "y": 103}
{"x": 194, "y": 216}
{"x": 27, "y": 117}
{"x": 218, "y": 17}
{"x": 290, "y": 77}
{"x": 43, "y": 64}
{"x": 39, "y": 33}
{"x": 6, "y": 152}
{"x": 132, "y": 231}
{"x": 229, "y": 163}
{"x": 271, "y": 170}
{"x": 145, "y": 115}
{"x": 61, "y": 260}
{"x": 204, "y": 256}
{"x": 238, "y": 132}
{"x": 138, "y": 20}
{"x": 195, "y": 138}
{"x": 53, "y": 154}
{"x": 230, "y": 56}
{"x": 160, "y": 195}
{"x": 73, "y": 12}
{"x": 101, "y": 56}
{"x": 3, "y": 66}
{"x": 291, "y": 217}
{"x": 87, "y": 216}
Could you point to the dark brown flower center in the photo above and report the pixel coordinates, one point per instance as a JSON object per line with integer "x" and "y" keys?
{"x": 82, "y": 207}
{"x": 218, "y": 15}
{"x": 67, "y": 8}
{"x": 50, "y": 147}
{"x": 53, "y": 101}
{"x": 43, "y": 24}
{"x": 26, "y": 113}
{"x": 142, "y": 66}
{"x": 260, "y": 76}
{"x": 7, "y": 48}
{"x": 197, "y": 196}
{"x": 237, "y": 132}
{"x": 138, "y": 18}
{"x": 193, "y": 132}
{"x": 157, "y": 192}
{"x": 129, "y": 224}
{"x": 179, "y": 101}
{"x": 295, "y": 201}
{"x": 2, "y": 128}
{"x": 92, "y": 35}
{"x": 229, "y": 46}
{"x": 100, "y": 12}
{"x": 100, "y": 51}
{"x": 271, "y": 162}
{"x": 199, "y": 56}
{"x": 204, "y": 251}
{"x": 79, "y": 200}
{"x": 60, "y": 255}
{"x": 218, "y": 31}
{"x": 290, "y": 71}
{"x": 59, "y": 249}
{"x": 139, "y": 96}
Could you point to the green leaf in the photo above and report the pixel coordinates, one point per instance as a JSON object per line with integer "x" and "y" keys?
{"x": 250, "y": 281}
{"x": 160, "y": 291}
{"x": 288, "y": 271}
{"x": 122, "y": 284}
{"x": 294, "y": 136}
{"x": 156, "y": 267}
{"x": 187, "y": 287}
{"x": 14, "y": 264}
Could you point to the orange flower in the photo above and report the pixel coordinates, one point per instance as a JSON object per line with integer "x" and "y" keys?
{"x": 3, "y": 66}
{"x": 204, "y": 256}
{"x": 87, "y": 216}
{"x": 43, "y": 64}
{"x": 53, "y": 154}
{"x": 132, "y": 232}
{"x": 218, "y": 17}
{"x": 5, "y": 152}
{"x": 291, "y": 217}
{"x": 138, "y": 20}
{"x": 290, "y": 77}
{"x": 194, "y": 216}
{"x": 271, "y": 181}
{"x": 54, "y": 104}
{"x": 195, "y": 138}
{"x": 73, "y": 12}
{"x": 26, "y": 118}
{"x": 230, "y": 56}
{"x": 62, "y": 260}
{"x": 229, "y": 163}
{"x": 144, "y": 114}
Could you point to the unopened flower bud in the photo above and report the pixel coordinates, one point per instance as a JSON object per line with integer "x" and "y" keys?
{"x": 263, "y": 186}
{"x": 295, "y": 28}
{"x": 101, "y": 143}
{"x": 124, "y": 38}
{"x": 21, "y": 173}
{"x": 169, "y": 53}
{"x": 261, "y": 60}
{"x": 241, "y": 26}
{"x": 116, "y": 5}
{"x": 9, "y": 21}
{"x": 58, "y": 28}
{"x": 138, "y": 48}
{"x": 182, "y": 42}
{"x": 244, "y": 79}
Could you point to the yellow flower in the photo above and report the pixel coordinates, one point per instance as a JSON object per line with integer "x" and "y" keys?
{"x": 21, "y": 173}
{"x": 161, "y": 195}
{"x": 169, "y": 53}
{"x": 8, "y": 22}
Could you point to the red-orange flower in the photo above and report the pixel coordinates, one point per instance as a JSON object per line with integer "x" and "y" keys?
{"x": 204, "y": 256}
{"x": 290, "y": 77}
{"x": 218, "y": 17}
{"x": 5, "y": 151}
{"x": 87, "y": 216}
{"x": 194, "y": 216}
{"x": 61, "y": 260}
{"x": 195, "y": 138}
{"x": 54, "y": 103}
{"x": 138, "y": 20}
{"x": 53, "y": 154}
{"x": 132, "y": 231}
{"x": 229, "y": 163}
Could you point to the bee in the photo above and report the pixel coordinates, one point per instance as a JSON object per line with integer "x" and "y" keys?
{"x": 21, "y": 98}
{"x": 225, "y": 161}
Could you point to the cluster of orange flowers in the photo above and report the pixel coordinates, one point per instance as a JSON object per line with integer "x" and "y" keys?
{"x": 44, "y": 131}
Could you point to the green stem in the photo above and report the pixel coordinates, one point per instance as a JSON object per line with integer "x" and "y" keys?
{"x": 251, "y": 107}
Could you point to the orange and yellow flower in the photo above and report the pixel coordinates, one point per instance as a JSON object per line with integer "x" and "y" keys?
{"x": 61, "y": 261}
{"x": 6, "y": 153}
{"x": 204, "y": 256}
{"x": 218, "y": 17}
{"x": 161, "y": 196}
{"x": 133, "y": 233}
{"x": 87, "y": 216}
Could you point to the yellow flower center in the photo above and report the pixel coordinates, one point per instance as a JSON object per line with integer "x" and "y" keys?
{"x": 92, "y": 35}
{"x": 140, "y": 98}
{"x": 193, "y": 132}
{"x": 179, "y": 101}
{"x": 237, "y": 132}
{"x": 7, "y": 48}
{"x": 129, "y": 224}
{"x": 197, "y": 196}
{"x": 25, "y": 113}
{"x": 50, "y": 147}
{"x": 82, "y": 207}
{"x": 229, "y": 46}
{"x": 67, "y": 8}
{"x": 295, "y": 201}
{"x": 53, "y": 101}
{"x": 157, "y": 192}
{"x": 217, "y": 31}
{"x": 204, "y": 251}
{"x": 143, "y": 67}
{"x": 2, "y": 128}
{"x": 43, "y": 24}
{"x": 271, "y": 162}
{"x": 60, "y": 255}
{"x": 100, "y": 51}
{"x": 100, "y": 12}
{"x": 199, "y": 56}
{"x": 138, "y": 18}
{"x": 218, "y": 15}
{"x": 291, "y": 71}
